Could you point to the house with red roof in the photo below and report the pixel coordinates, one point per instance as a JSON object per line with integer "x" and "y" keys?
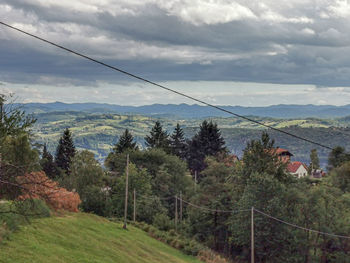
{"x": 283, "y": 154}
{"x": 298, "y": 169}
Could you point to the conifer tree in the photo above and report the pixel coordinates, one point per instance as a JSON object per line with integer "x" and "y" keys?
{"x": 158, "y": 138}
{"x": 207, "y": 142}
{"x": 48, "y": 164}
{"x": 126, "y": 142}
{"x": 65, "y": 151}
{"x": 178, "y": 143}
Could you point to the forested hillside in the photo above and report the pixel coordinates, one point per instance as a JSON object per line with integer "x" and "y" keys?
{"x": 99, "y": 132}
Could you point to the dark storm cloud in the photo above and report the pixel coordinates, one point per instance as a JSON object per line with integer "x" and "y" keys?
{"x": 300, "y": 42}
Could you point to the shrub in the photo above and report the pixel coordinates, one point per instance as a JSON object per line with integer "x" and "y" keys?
{"x": 37, "y": 185}
{"x": 209, "y": 256}
{"x": 162, "y": 222}
{"x": 14, "y": 214}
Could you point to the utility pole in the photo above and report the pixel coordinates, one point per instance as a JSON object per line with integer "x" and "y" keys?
{"x": 195, "y": 181}
{"x": 126, "y": 190}
{"x": 175, "y": 212}
{"x": 181, "y": 206}
{"x": 252, "y": 237}
{"x": 1, "y": 109}
{"x": 134, "y": 205}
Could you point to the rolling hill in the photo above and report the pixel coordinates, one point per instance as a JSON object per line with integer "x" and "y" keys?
{"x": 99, "y": 132}
{"x": 86, "y": 238}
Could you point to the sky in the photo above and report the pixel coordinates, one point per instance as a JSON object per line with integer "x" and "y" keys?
{"x": 226, "y": 52}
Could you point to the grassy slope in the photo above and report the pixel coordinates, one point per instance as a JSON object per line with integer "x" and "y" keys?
{"x": 85, "y": 238}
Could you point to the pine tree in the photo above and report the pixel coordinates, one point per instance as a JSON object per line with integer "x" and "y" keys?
{"x": 158, "y": 138}
{"x": 126, "y": 142}
{"x": 48, "y": 164}
{"x": 178, "y": 143}
{"x": 65, "y": 151}
{"x": 207, "y": 142}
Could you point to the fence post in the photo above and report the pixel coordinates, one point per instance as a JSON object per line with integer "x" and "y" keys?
{"x": 126, "y": 190}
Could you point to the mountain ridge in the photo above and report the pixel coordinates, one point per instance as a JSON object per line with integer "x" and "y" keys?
{"x": 187, "y": 111}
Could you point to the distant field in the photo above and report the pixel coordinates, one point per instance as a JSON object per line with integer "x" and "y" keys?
{"x": 99, "y": 132}
{"x": 85, "y": 238}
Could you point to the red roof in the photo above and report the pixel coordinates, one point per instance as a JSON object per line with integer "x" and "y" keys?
{"x": 279, "y": 151}
{"x": 294, "y": 166}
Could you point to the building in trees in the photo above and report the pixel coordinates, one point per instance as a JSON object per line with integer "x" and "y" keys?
{"x": 297, "y": 169}
{"x": 65, "y": 151}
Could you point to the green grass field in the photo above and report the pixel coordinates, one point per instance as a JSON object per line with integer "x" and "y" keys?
{"x": 85, "y": 238}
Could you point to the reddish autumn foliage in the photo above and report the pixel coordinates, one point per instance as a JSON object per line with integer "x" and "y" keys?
{"x": 38, "y": 186}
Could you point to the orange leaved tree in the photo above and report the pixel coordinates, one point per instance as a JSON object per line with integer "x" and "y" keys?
{"x": 37, "y": 185}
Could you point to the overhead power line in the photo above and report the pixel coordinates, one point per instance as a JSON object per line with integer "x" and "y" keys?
{"x": 300, "y": 227}
{"x": 213, "y": 210}
{"x": 166, "y": 88}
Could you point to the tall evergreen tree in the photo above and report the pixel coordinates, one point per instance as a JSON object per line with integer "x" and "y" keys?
{"x": 158, "y": 138}
{"x": 65, "y": 151}
{"x": 178, "y": 143}
{"x": 126, "y": 142}
{"x": 207, "y": 142}
{"x": 48, "y": 164}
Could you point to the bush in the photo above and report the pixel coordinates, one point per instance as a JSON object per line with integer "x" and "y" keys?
{"x": 39, "y": 186}
{"x": 162, "y": 222}
{"x": 188, "y": 246}
{"x": 209, "y": 256}
{"x": 33, "y": 208}
{"x": 14, "y": 214}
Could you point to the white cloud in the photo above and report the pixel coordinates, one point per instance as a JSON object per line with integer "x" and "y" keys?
{"x": 308, "y": 31}
{"x": 201, "y": 12}
{"x": 340, "y": 8}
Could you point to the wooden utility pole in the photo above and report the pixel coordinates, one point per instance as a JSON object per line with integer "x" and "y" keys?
{"x": 252, "y": 237}
{"x": 181, "y": 206}
{"x": 134, "y": 205}
{"x": 195, "y": 180}
{"x": 126, "y": 190}
{"x": 175, "y": 212}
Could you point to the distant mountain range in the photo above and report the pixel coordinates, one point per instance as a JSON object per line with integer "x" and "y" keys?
{"x": 195, "y": 111}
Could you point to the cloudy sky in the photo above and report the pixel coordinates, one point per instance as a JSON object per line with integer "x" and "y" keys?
{"x": 227, "y": 52}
